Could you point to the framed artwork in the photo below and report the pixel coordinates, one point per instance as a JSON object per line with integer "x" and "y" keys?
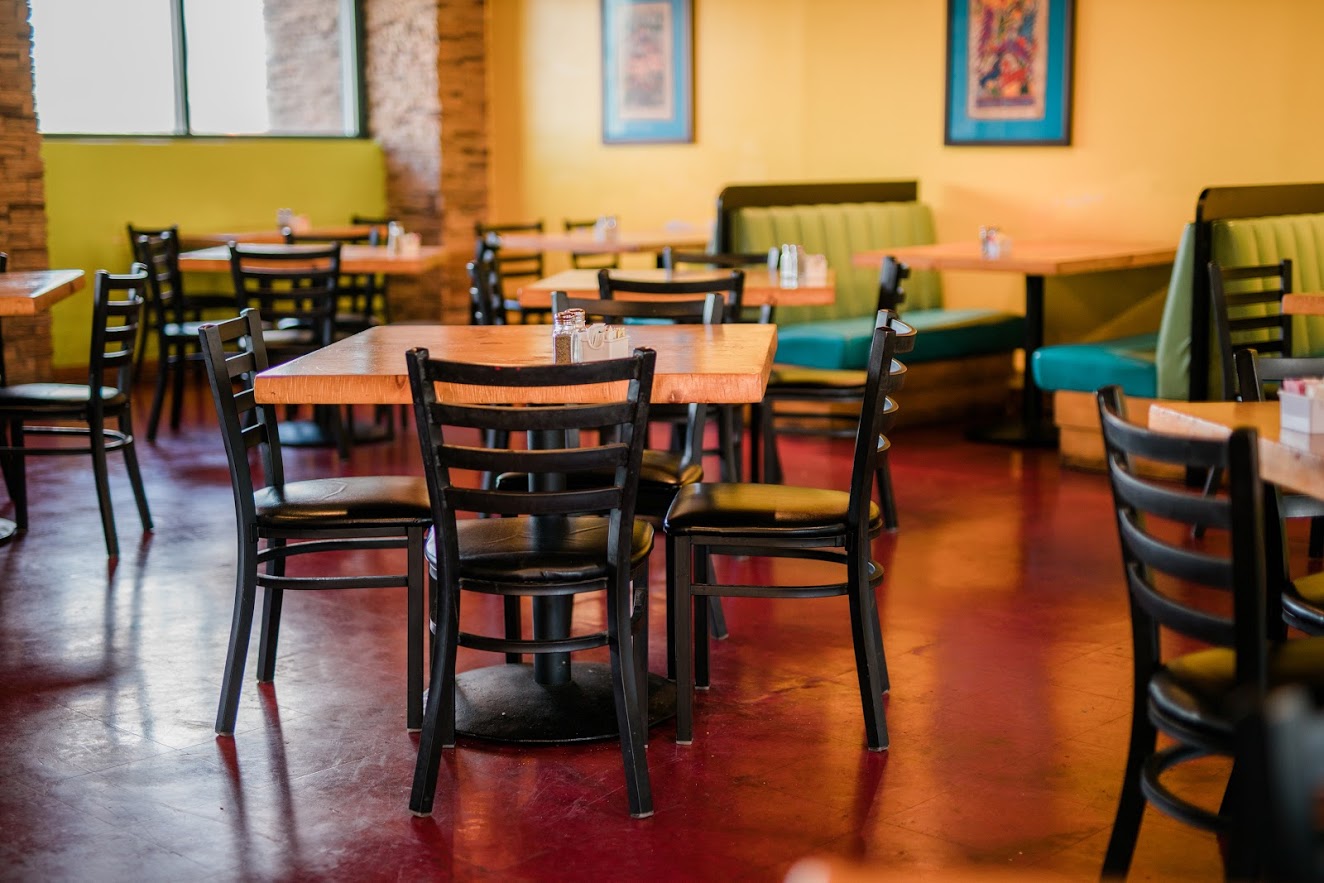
{"x": 647, "y": 71}
{"x": 1009, "y": 71}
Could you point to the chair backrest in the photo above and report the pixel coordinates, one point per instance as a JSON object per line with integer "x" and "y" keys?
{"x": 730, "y": 286}
{"x": 1246, "y": 304}
{"x": 486, "y": 306}
{"x": 891, "y": 273}
{"x": 1292, "y": 828}
{"x": 510, "y": 262}
{"x": 1173, "y": 586}
{"x": 674, "y": 258}
{"x": 116, "y": 314}
{"x": 878, "y": 412}
{"x": 589, "y": 260}
{"x": 296, "y": 285}
{"x": 379, "y": 225}
{"x": 615, "y": 396}
{"x": 234, "y": 354}
{"x": 159, "y": 252}
{"x": 1255, "y": 373}
{"x": 150, "y": 232}
{"x": 293, "y": 237}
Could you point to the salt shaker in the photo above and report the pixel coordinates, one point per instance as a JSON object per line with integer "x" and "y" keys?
{"x": 393, "y": 233}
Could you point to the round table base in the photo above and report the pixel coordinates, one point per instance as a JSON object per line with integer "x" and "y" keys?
{"x": 503, "y": 703}
{"x": 8, "y": 530}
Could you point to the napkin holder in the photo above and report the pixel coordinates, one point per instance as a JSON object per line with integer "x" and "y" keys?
{"x": 600, "y": 342}
{"x": 1301, "y": 413}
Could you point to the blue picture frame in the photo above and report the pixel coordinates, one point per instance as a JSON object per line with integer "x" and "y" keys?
{"x": 1009, "y": 69}
{"x": 647, "y": 71}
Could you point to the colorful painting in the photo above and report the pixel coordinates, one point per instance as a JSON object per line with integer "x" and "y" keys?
{"x": 1009, "y": 71}
{"x": 647, "y": 93}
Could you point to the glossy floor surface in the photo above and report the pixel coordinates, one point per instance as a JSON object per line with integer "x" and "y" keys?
{"x": 1006, "y": 634}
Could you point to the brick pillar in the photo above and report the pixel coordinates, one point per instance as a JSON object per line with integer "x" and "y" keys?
{"x": 426, "y": 79}
{"x": 22, "y": 191}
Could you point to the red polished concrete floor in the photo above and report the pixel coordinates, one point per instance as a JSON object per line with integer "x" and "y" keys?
{"x": 1006, "y": 633}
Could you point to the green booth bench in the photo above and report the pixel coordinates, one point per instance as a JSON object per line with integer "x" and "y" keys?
{"x": 1233, "y": 226}
{"x": 962, "y": 361}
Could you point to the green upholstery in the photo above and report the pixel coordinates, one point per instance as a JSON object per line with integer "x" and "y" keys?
{"x": 943, "y": 334}
{"x": 839, "y": 231}
{"x": 838, "y": 335}
{"x": 1126, "y": 361}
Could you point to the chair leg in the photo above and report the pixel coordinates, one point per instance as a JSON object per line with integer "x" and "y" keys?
{"x": 272, "y": 602}
{"x": 716, "y": 619}
{"x": 101, "y": 477}
{"x": 755, "y": 440}
{"x": 135, "y": 473}
{"x": 728, "y": 443}
{"x": 883, "y": 476}
{"x": 241, "y": 626}
{"x": 177, "y": 365}
{"x": 1131, "y": 802}
{"x": 702, "y": 573}
{"x": 439, "y": 711}
{"x": 158, "y": 396}
{"x": 414, "y": 642}
{"x": 681, "y": 638}
{"x": 772, "y": 464}
{"x": 17, "y": 477}
{"x": 626, "y": 690}
{"x": 1211, "y": 483}
{"x": 870, "y": 663}
{"x": 1316, "y": 548}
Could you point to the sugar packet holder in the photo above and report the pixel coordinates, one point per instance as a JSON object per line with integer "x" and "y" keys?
{"x": 1301, "y": 404}
{"x": 599, "y": 342}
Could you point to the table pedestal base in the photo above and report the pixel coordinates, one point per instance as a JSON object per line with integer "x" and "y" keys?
{"x": 1015, "y": 432}
{"x": 8, "y": 530}
{"x": 503, "y": 703}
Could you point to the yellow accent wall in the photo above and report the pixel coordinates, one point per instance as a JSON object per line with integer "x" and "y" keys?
{"x": 1169, "y": 98}
{"x": 95, "y": 187}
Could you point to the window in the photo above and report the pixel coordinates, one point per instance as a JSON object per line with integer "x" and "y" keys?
{"x": 196, "y": 67}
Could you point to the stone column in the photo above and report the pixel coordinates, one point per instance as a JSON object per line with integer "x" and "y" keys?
{"x": 22, "y": 191}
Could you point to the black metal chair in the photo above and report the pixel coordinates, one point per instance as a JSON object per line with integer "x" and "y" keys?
{"x": 812, "y": 401}
{"x": 82, "y": 411}
{"x": 186, "y": 302}
{"x": 590, "y": 260}
{"x": 363, "y": 296}
{"x": 510, "y": 264}
{"x": 777, "y": 521}
{"x": 486, "y": 306}
{"x": 279, "y": 519}
{"x": 296, "y": 291}
{"x": 731, "y": 287}
{"x": 1218, "y": 595}
{"x": 1303, "y": 597}
{"x": 1291, "y": 827}
{"x": 557, "y": 538}
{"x": 173, "y": 322}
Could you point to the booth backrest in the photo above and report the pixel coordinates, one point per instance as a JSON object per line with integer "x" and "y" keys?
{"x": 836, "y": 219}
{"x": 1236, "y": 227}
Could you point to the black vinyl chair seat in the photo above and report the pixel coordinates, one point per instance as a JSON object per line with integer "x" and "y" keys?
{"x": 357, "y": 501}
{"x": 760, "y": 510}
{"x": 1303, "y": 603}
{"x": 515, "y": 550}
{"x": 58, "y": 396}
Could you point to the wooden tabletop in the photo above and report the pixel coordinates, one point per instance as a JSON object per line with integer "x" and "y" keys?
{"x": 695, "y": 363}
{"x": 1306, "y": 303}
{"x": 623, "y": 241}
{"x": 26, "y": 293}
{"x": 760, "y": 286}
{"x": 1292, "y": 460}
{"x": 1030, "y": 258}
{"x": 274, "y": 235}
{"x": 353, "y": 259}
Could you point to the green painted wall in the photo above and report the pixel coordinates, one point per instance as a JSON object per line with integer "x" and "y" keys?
{"x": 95, "y": 187}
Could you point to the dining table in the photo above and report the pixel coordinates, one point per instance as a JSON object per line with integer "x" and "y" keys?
{"x": 276, "y": 235}
{"x": 354, "y": 259}
{"x": 1290, "y": 459}
{"x": 554, "y": 700}
{"x": 762, "y": 287}
{"x": 1036, "y": 260}
{"x": 1304, "y": 303}
{"x": 27, "y": 293}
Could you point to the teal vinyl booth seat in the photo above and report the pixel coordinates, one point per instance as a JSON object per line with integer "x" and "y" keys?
{"x": 1233, "y": 227}
{"x": 839, "y": 219}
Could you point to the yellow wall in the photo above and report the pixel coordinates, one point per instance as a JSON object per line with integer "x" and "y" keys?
{"x": 95, "y": 187}
{"x": 1169, "y": 97}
